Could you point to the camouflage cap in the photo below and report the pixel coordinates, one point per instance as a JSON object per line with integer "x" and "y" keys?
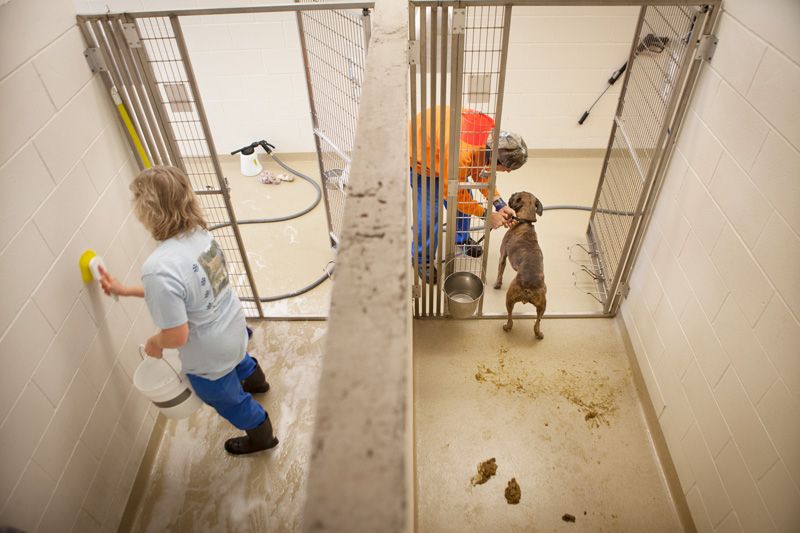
{"x": 512, "y": 152}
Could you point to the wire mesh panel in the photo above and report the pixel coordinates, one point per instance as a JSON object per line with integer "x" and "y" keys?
{"x": 334, "y": 45}
{"x": 663, "y": 49}
{"x": 147, "y": 71}
{"x": 456, "y": 103}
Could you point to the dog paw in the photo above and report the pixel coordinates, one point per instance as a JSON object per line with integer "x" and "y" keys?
{"x": 539, "y": 336}
{"x": 506, "y": 327}
{"x": 498, "y": 285}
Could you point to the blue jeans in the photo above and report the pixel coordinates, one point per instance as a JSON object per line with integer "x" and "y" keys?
{"x": 430, "y": 214}
{"x": 228, "y": 398}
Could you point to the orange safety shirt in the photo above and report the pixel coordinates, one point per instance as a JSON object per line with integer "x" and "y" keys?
{"x": 472, "y": 159}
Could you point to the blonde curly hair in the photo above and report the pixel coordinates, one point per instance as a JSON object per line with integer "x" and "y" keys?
{"x": 165, "y": 203}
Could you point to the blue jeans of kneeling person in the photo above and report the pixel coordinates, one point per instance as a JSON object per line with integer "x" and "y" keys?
{"x": 428, "y": 211}
{"x": 228, "y": 398}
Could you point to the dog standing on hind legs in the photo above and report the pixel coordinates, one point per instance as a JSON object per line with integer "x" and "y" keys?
{"x": 521, "y": 246}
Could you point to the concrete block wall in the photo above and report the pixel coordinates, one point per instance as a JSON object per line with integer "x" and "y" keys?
{"x": 560, "y": 59}
{"x": 72, "y": 430}
{"x": 714, "y": 307}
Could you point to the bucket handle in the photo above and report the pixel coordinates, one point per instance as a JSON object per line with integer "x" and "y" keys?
{"x": 142, "y": 355}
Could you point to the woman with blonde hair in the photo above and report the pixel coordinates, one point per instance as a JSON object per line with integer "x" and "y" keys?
{"x": 185, "y": 285}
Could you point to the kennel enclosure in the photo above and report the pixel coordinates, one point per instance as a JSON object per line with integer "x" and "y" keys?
{"x": 145, "y": 65}
{"x": 457, "y": 62}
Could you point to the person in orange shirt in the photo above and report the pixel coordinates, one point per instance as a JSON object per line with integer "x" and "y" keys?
{"x": 473, "y": 164}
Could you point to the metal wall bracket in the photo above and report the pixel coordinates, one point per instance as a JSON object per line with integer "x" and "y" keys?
{"x": 416, "y": 291}
{"x": 413, "y": 52}
{"x": 95, "y": 59}
{"x": 624, "y": 290}
{"x": 706, "y": 47}
{"x": 131, "y": 35}
{"x": 459, "y": 20}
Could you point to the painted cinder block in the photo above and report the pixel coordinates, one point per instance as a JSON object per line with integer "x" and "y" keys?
{"x": 778, "y": 253}
{"x": 745, "y": 425}
{"x": 22, "y": 265}
{"x": 780, "y": 414}
{"x": 19, "y": 434}
{"x": 105, "y": 157}
{"x": 709, "y": 354}
{"x": 71, "y": 416}
{"x": 698, "y": 509}
{"x": 703, "y": 276}
{"x": 739, "y": 127}
{"x": 775, "y": 92}
{"x": 779, "y": 333}
{"x": 775, "y": 174}
{"x": 677, "y": 349}
{"x": 65, "y": 209}
{"x": 64, "y": 140}
{"x": 30, "y": 497}
{"x": 62, "y": 359}
{"x": 738, "y": 54}
{"x": 257, "y": 36}
{"x": 21, "y": 349}
{"x": 740, "y": 200}
{"x": 66, "y": 502}
{"x": 748, "y": 358}
{"x": 707, "y": 414}
{"x": 112, "y": 465}
{"x": 700, "y": 147}
{"x": 705, "y": 218}
{"x": 781, "y": 496}
{"x": 708, "y": 481}
{"x": 748, "y": 284}
{"x": 63, "y": 68}
{"x": 741, "y": 489}
{"x": 105, "y": 414}
{"x": 24, "y": 106}
{"x": 776, "y": 25}
{"x": 25, "y": 183}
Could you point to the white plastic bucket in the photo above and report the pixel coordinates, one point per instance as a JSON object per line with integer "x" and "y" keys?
{"x": 162, "y": 382}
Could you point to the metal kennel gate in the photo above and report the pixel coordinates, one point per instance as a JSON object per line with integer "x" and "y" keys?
{"x": 334, "y": 45}
{"x": 144, "y": 63}
{"x": 457, "y": 58}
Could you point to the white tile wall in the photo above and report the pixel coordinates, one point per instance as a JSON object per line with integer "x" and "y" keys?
{"x": 733, "y": 284}
{"x": 64, "y": 170}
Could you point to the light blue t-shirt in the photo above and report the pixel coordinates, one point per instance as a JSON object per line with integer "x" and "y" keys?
{"x": 185, "y": 280}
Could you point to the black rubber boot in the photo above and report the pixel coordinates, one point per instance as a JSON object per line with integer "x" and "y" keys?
{"x": 256, "y": 383}
{"x": 256, "y": 440}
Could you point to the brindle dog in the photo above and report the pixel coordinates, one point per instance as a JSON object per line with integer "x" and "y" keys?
{"x": 521, "y": 246}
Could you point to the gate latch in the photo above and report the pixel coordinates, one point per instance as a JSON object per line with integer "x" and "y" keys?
{"x": 131, "y": 35}
{"x": 95, "y": 59}
{"x": 413, "y": 52}
{"x": 706, "y": 47}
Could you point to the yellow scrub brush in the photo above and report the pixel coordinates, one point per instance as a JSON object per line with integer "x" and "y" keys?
{"x": 90, "y": 264}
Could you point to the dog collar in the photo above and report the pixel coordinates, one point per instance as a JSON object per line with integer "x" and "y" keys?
{"x": 523, "y": 220}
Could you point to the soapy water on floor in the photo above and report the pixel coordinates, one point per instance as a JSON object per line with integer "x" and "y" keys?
{"x": 196, "y": 486}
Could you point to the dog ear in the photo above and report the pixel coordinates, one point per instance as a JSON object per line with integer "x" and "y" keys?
{"x": 539, "y": 207}
{"x": 514, "y": 202}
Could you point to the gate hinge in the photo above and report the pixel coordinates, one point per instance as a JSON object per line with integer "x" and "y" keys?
{"x": 413, "y": 52}
{"x": 95, "y": 59}
{"x": 416, "y": 291}
{"x": 131, "y": 35}
{"x": 624, "y": 290}
{"x": 459, "y": 20}
{"x": 706, "y": 47}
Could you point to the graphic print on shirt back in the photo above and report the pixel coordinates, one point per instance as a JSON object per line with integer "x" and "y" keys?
{"x": 213, "y": 262}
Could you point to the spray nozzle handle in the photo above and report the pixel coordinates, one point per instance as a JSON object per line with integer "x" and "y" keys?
{"x": 250, "y": 148}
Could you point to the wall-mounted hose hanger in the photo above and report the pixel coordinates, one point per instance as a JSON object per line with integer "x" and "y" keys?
{"x": 650, "y": 43}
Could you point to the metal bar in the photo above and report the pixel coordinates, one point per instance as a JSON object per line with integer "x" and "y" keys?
{"x": 89, "y": 38}
{"x": 425, "y": 216}
{"x": 416, "y": 236}
{"x": 669, "y": 150}
{"x": 456, "y": 83}
{"x": 613, "y": 297}
{"x": 534, "y": 3}
{"x": 620, "y": 105}
{"x": 148, "y": 99}
{"x": 275, "y": 8}
{"x": 631, "y": 147}
{"x": 333, "y": 146}
{"x": 442, "y": 74}
{"x": 433, "y": 184}
{"x": 201, "y": 112}
{"x": 136, "y": 109}
{"x": 158, "y": 104}
{"x": 502, "y": 316}
{"x": 501, "y": 81}
{"x": 314, "y": 119}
